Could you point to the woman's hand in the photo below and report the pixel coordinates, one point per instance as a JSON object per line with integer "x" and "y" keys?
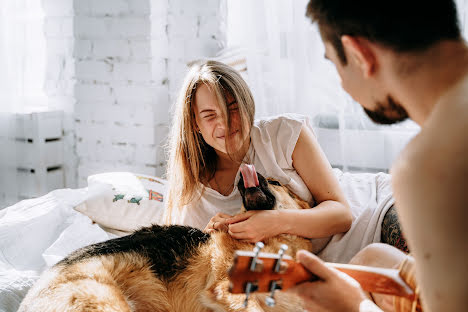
{"x": 255, "y": 225}
{"x": 218, "y": 223}
{"x": 334, "y": 291}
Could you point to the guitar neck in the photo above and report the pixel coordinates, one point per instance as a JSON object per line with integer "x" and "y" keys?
{"x": 371, "y": 279}
{"x": 377, "y": 280}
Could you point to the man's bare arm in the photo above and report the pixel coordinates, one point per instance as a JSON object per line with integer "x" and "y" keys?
{"x": 430, "y": 189}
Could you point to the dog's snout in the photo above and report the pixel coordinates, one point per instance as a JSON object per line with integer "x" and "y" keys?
{"x": 255, "y": 199}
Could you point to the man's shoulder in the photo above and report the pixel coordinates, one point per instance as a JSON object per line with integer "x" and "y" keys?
{"x": 404, "y": 166}
{"x": 434, "y": 161}
{"x": 447, "y": 128}
{"x": 449, "y": 117}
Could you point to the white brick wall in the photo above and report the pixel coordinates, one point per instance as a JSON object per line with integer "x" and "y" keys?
{"x": 130, "y": 58}
{"x": 112, "y": 83}
{"x": 60, "y": 72}
{"x": 194, "y": 30}
{"x": 115, "y": 67}
{"x": 58, "y": 8}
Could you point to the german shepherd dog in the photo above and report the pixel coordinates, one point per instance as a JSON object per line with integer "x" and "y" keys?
{"x": 166, "y": 268}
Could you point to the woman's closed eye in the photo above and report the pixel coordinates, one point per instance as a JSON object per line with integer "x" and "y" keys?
{"x": 209, "y": 116}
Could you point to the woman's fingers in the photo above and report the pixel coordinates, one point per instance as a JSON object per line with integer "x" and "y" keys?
{"x": 245, "y": 236}
{"x": 223, "y": 215}
{"x": 238, "y": 227}
{"x": 220, "y": 225}
{"x": 240, "y": 217}
{"x": 218, "y": 222}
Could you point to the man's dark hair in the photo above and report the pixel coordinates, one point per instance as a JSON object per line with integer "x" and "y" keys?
{"x": 402, "y": 25}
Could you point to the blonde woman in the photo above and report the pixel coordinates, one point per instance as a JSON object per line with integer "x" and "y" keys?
{"x": 213, "y": 132}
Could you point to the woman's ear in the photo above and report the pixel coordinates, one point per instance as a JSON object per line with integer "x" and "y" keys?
{"x": 360, "y": 51}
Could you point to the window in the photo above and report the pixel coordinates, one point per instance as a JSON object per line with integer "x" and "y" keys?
{"x": 22, "y": 55}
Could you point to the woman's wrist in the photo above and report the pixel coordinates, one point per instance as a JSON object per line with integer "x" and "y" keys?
{"x": 283, "y": 222}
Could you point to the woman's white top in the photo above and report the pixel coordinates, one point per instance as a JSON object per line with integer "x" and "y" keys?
{"x": 272, "y": 142}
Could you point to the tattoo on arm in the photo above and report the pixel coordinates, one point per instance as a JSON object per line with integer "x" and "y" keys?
{"x": 391, "y": 231}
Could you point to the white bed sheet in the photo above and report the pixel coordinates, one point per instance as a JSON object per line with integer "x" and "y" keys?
{"x": 37, "y": 233}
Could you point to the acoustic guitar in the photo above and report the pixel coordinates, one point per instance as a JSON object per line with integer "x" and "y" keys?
{"x": 255, "y": 271}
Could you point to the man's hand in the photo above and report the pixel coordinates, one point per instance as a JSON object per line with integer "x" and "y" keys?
{"x": 255, "y": 225}
{"x": 217, "y": 223}
{"x": 334, "y": 291}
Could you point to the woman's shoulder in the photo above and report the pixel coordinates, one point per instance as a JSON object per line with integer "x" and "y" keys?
{"x": 281, "y": 127}
{"x": 274, "y": 138}
{"x": 278, "y": 120}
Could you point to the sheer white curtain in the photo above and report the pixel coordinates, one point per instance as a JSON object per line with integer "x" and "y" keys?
{"x": 286, "y": 68}
{"x": 462, "y": 6}
{"x": 22, "y": 63}
{"x": 287, "y": 72}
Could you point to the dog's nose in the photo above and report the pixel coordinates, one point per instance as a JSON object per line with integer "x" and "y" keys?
{"x": 255, "y": 199}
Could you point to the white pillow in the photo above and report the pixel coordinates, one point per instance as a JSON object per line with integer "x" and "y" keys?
{"x": 124, "y": 201}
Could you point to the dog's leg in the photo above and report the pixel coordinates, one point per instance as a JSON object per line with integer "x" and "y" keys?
{"x": 218, "y": 298}
{"x": 79, "y": 295}
{"x": 284, "y": 302}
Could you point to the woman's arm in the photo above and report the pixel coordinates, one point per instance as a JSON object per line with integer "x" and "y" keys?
{"x": 331, "y": 215}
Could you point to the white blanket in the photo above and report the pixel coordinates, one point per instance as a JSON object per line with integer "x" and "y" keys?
{"x": 35, "y": 234}
{"x": 369, "y": 196}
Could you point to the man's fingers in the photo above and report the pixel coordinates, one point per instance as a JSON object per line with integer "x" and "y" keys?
{"x": 348, "y": 278}
{"x": 307, "y": 291}
{"x": 313, "y": 263}
{"x": 302, "y": 289}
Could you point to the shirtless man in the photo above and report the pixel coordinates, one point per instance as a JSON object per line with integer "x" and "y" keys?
{"x": 399, "y": 59}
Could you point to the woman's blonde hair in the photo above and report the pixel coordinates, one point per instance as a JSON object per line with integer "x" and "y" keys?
{"x": 192, "y": 161}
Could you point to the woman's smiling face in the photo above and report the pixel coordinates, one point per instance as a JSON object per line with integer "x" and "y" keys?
{"x": 210, "y": 120}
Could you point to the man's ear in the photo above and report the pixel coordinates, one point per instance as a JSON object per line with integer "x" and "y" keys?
{"x": 360, "y": 52}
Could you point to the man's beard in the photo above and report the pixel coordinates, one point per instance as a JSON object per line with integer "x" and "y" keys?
{"x": 388, "y": 112}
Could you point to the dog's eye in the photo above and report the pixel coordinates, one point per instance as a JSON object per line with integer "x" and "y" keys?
{"x": 273, "y": 182}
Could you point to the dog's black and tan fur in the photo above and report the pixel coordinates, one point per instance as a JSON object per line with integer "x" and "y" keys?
{"x": 163, "y": 268}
